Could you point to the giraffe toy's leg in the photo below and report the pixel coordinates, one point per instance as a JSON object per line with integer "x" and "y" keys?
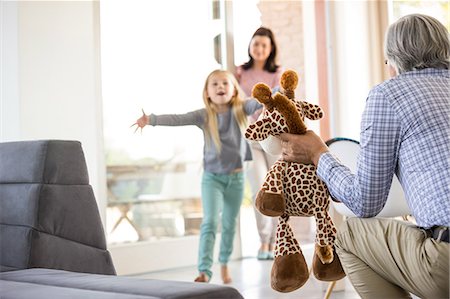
{"x": 331, "y": 229}
{"x": 289, "y": 270}
{"x": 323, "y": 247}
{"x": 331, "y": 270}
{"x": 270, "y": 200}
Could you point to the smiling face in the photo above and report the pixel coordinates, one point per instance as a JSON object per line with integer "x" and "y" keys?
{"x": 260, "y": 47}
{"x": 220, "y": 90}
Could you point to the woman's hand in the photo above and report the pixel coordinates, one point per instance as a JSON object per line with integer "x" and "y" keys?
{"x": 305, "y": 149}
{"x": 141, "y": 122}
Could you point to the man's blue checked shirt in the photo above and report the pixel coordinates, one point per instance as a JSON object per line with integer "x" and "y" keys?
{"x": 405, "y": 130}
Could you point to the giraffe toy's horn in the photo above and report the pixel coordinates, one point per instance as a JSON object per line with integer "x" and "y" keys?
{"x": 289, "y": 82}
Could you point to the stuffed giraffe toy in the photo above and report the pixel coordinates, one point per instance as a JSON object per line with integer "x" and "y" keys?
{"x": 293, "y": 189}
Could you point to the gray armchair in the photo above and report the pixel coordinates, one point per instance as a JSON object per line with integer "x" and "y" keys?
{"x": 49, "y": 217}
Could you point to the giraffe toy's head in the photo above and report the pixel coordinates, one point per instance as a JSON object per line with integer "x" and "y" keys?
{"x": 282, "y": 114}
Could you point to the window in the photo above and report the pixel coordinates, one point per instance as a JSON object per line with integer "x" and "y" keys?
{"x": 437, "y": 9}
{"x": 155, "y": 56}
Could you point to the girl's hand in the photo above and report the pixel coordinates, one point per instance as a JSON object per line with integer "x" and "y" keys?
{"x": 141, "y": 122}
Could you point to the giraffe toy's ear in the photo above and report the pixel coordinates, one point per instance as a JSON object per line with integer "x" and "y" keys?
{"x": 262, "y": 93}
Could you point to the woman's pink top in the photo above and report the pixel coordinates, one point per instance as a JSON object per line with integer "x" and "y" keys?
{"x": 248, "y": 78}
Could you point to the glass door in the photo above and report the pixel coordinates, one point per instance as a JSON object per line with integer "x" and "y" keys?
{"x": 155, "y": 58}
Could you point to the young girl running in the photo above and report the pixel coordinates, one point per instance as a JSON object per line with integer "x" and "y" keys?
{"x": 222, "y": 121}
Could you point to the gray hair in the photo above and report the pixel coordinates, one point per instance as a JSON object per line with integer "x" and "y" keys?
{"x": 417, "y": 41}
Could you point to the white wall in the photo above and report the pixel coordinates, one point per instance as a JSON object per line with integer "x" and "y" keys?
{"x": 9, "y": 105}
{"x": 50, "y": 79}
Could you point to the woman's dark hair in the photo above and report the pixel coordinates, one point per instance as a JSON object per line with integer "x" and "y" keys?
{"x": 270, "y": 65}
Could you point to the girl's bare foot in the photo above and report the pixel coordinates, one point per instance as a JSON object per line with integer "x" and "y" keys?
{"x": 202, "y": 277}
{"x": 226, "y": 278}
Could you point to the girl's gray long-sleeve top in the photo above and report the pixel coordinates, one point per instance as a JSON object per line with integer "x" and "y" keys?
{"x": 235, "y": 149}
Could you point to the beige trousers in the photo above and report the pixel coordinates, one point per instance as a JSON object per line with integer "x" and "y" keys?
{"x": 386, "y": 258}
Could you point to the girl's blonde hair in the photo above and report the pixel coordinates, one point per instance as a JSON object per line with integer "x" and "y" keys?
{"x": 236, "y": 103}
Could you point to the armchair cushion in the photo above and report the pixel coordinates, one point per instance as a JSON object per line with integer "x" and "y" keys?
{"x": 49, "y": 216}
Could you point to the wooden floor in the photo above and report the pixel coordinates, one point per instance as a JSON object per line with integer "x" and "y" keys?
{"x": 252, "y": 278}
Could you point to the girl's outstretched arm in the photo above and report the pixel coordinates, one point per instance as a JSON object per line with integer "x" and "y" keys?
{"x": 141, "y": 122}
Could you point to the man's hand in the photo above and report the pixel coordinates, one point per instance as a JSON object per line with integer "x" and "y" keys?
{"x": 305, "y": 149}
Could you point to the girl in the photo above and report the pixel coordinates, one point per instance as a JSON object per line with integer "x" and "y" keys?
{"x": 261, "y": 67}
{"x": 222, "y": 121}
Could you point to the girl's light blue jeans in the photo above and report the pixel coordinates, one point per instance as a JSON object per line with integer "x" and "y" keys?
{"x": 220, "y": 193}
